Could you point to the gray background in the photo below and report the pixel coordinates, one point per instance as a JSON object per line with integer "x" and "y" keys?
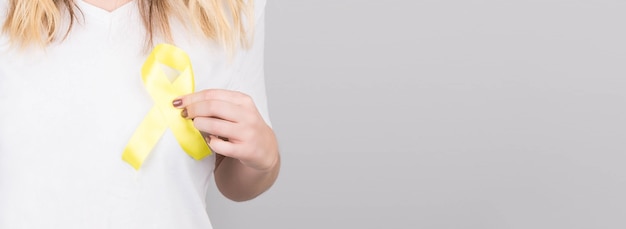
{"x": 444, "y": 114}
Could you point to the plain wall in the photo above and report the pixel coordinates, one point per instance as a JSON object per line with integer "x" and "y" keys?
{"x": 444, "y": 114}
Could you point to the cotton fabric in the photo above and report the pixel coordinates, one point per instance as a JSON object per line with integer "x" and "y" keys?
{"x": 67, "y": 112}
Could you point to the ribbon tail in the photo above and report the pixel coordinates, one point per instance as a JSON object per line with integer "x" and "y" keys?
{"x": 190, "y": 139}
{"x": 145, "y": 138}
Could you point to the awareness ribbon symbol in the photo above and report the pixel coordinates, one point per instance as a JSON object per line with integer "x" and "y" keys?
{"x": 163, "y": 115}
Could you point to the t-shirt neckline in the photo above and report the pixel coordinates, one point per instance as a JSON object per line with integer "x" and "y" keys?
{"x": 100, "y": 13}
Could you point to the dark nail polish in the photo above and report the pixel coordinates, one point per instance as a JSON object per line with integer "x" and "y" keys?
{"x": 177, "y": 102}
{"x": 184, "y": 113}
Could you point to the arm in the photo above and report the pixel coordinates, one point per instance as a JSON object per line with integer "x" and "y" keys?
{"x": 239, "y": 182}
{"x": 247, "y": 161}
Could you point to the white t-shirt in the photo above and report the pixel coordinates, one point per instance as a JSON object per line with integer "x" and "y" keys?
{"x": 68, "y": 111}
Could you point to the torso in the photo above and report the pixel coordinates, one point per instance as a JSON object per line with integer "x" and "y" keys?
{"x": 67, "y": 113}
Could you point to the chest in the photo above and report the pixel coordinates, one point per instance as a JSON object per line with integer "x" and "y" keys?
{"x": 88, "y": 86}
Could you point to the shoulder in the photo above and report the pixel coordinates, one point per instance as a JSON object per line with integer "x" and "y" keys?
{"x": 259, "y": 7}
{"x": 4, "y": 11}
{"x": 257, "y": 3}
{"x": 4, "y": 7}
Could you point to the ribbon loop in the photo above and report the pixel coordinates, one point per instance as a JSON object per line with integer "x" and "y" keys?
{"x": 163, "y": 115}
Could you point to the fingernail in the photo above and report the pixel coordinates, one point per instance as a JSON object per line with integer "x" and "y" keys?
{"x": 184, "y": 113}
{"x": 177, "y": 102}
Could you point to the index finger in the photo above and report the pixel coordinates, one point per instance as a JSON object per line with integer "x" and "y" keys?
{"x": 235, "y": 97}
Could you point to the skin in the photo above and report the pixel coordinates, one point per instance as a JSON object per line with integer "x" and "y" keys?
{"x": 108, "y": 5}
{"x": 247, "y": 161}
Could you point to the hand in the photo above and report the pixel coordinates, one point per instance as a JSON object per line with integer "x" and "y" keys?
{"x": 231, "y": 115}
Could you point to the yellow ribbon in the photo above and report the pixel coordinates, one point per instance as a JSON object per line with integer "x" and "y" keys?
{"x": 163, "y": 114}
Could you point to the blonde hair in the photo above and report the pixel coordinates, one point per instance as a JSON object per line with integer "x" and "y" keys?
{"x": 37, "y": 22}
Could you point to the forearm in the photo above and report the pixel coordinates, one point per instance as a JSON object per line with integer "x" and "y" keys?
{"x": 240, "y": 183}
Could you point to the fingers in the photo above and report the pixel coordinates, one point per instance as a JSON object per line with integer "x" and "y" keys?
{"x": 235, "y": 97}
{"x": 231, "y": 124}
{"x": 215, "y": 109}
{"x": 219, "y": 127}
{"x": 222, "y": 147}
{"x": 216, "y": 132}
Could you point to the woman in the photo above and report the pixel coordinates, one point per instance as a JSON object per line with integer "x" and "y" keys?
{"x": 72, "y": 97}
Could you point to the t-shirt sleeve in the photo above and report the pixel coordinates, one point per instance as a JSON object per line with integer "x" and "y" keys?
{"x": 249, "y": 65}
